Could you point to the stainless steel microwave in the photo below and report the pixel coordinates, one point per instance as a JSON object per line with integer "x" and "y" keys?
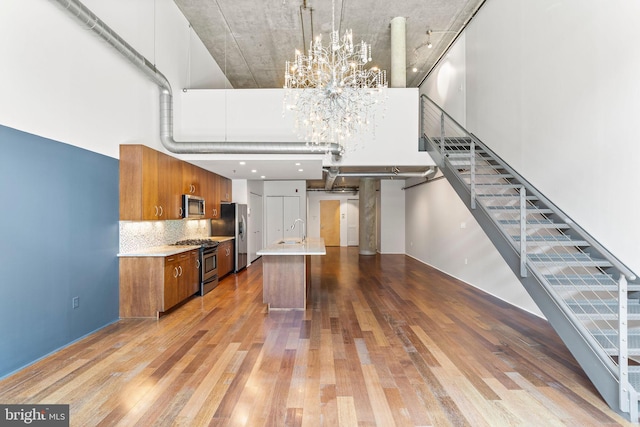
{"x": 192, "y": 207}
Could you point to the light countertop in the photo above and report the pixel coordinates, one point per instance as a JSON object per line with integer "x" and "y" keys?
{"x": 168, "y": 250}
{"x": 160, "y": 251}
{"x": 311, "y": 246}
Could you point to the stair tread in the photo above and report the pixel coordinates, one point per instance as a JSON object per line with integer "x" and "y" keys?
{"x": 535, "y": 222}
{"x": 559, "y": 240}
{"x": 609, "y": 341}
{"x": 495, "y": 175}
{"x": 603, "y": 307}
{"x": 528, "y": 197}
{"x": 498, "y": 184}
{"x": 570, "y": 259}
{"x": 530, "y": 209}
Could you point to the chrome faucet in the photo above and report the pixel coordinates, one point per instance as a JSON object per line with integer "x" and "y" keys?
{"x": 304, "y": 236}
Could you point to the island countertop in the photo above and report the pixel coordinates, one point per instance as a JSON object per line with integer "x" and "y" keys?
{"x": 310, "y": 246}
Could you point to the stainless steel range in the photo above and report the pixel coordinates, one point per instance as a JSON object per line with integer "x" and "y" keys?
{"x": 208, "y": 262}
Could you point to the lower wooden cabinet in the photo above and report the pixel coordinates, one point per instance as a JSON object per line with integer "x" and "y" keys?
{"x": 152, "y": 285}
{"x": 226, "y": 258}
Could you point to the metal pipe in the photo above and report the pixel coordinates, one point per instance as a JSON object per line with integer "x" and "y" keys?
{"x": 334, "y": 173}
{"x": 100, "y": 28}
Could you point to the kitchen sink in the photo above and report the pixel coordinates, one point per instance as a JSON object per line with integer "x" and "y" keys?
{"x": 291, "y": 241}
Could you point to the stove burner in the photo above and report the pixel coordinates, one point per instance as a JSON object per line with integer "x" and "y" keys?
{"x": 205, "y": 243}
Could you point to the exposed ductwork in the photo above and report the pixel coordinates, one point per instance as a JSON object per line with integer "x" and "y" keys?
{"x": 95, "y": 24}
{"x": 333, "y": 173}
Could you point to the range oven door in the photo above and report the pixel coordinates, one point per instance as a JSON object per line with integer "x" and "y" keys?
{"x": 209, "y": 272}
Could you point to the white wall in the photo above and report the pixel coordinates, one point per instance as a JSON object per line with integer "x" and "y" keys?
{"x": 62, "y": 82}
{"x": 446, "y": 85}
{"x": 441, "y": 232}
{"x": 239, "y": 191}
{"x": 313, "y": 218}
{"x": 222, "y": 115}
{"x": 553, "y": 88}
{"x": 392, "y": 217}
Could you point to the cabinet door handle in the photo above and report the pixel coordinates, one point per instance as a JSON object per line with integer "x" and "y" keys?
{"x": 181, "y": 213}
{"x": 179, "y": 270}
{"x": 197, "y": 263}
{"x": 161, "y": 210}
{"x": 175, "y": 272}
{"x": 156, "y": 208}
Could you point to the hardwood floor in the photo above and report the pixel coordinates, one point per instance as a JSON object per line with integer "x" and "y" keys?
{"x": 385, "y": 341}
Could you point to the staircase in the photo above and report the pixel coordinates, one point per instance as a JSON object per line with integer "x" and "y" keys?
{"x": 588, "y": 296}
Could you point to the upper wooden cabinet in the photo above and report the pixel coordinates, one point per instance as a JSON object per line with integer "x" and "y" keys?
{"x": 224, "y": 189}
{"x": 152, "y": 185}
{"x": 211, "y": 196}
{"x": 149, "y": 184}
{"x": 192, "y": 177}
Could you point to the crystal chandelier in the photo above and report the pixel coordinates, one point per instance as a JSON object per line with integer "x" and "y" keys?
{"x": 336, "y": 93}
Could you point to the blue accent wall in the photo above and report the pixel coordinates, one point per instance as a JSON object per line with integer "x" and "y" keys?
{"x": 58, "y": 240}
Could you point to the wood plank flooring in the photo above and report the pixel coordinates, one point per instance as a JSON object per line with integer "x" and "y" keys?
{"x": 385, "y": 341}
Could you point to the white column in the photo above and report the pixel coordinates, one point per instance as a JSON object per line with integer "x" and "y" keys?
{"x": 398, "y": 52}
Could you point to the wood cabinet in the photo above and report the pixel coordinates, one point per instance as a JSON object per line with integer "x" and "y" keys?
{"x": 170, "y": 194}
{"x": 152, "y": 285}
{"x": 226, "y": 258}
{"x": 224, "y": 189}
{"x": 211, "y": 197}
{"x": 192, "y": 177}
{"x": 150, "y": 184}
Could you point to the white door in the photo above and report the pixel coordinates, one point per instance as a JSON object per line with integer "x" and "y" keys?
{"x": 353, "y": 219}
{"x": 255, "y": 225}
{"x": 281, "y": 213}
{"x": 274, "y": 216}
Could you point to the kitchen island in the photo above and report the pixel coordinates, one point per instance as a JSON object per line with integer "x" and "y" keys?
{"x": 285, "y": 272}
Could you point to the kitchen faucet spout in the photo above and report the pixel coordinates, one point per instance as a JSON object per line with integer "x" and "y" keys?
{"x": 304, "y": 236}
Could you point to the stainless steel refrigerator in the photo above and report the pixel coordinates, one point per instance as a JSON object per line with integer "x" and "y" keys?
{"x": 233, "y": 222}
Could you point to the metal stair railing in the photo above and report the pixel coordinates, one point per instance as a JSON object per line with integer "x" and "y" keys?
{"x": 573, "y": 267}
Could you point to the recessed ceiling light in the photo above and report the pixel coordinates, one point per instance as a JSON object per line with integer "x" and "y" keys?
{"x": 254, "y": 170}
{"x": 243, "y": 163}
{"x": 263, "y": 177}
{"x": 300, "y": 170}
{"x": 298, "y": 164}
{"x": 415, "y": 70}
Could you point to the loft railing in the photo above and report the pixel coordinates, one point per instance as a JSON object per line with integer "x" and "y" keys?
{"x": 587, "y": 282}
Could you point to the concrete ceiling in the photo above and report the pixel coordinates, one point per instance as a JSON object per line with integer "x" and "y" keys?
{"x": 251, "y": 39}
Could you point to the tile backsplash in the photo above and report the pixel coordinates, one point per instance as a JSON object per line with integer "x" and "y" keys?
{"x": 136, "y": 235}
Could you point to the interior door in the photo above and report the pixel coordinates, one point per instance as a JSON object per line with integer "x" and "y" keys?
{"x": 274, "y": 216}
{"x": 330, "y": 222}
{"x": 255, "y": 225}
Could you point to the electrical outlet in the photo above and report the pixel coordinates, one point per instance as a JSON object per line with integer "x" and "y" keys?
{"x": 75, "y": 302}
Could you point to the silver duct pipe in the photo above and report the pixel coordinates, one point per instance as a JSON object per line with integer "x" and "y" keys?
{"x": 95, "y": 24}
{"x": 333, "y": 173}
{"x": 341, "y": 190}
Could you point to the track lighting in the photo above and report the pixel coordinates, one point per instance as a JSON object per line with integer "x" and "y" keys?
{"x": 429, "y": 44}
